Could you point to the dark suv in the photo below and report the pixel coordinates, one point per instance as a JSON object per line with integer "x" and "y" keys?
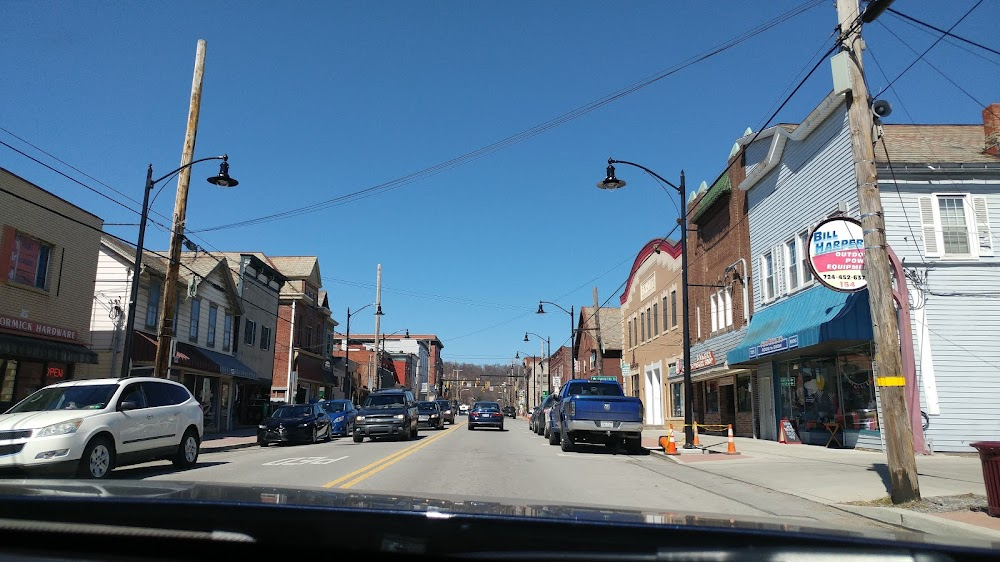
{"x": 387, "y": 413}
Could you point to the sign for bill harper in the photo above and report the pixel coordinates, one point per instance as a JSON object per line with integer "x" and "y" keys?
{"x": 837, "y": 254}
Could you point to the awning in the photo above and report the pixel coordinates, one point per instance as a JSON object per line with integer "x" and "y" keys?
{"x": 314, "y": 369}
{"x": 144, "y": 351}
{"x": 812, "y": 317}
{"x": 229, "y": 365}
{"x": 45, "y": 350}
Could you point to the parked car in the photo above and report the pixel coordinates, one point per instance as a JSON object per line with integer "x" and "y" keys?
{"x": 590, "y": 411}
{"x": 463, "y": 410}
{"x": 89, "y": 427}
{"x": 342, "y": 414}
{"x": 485, "y": 414}
{"x": 387, "y": 413}
{"x": 542, "y": 420}
{"x": 447, "y": 411}
{"x": 429, "y": 415}
{"x": 302, "y": 423}
{"x": 509, "y": 411}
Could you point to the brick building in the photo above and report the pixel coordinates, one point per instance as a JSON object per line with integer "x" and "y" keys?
{"x": 48, "y": 265}
{"x": 720, "y": 293}
{"x": 586, "y": 343}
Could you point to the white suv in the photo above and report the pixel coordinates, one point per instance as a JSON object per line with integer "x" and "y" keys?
{"x": 88, "y": 427}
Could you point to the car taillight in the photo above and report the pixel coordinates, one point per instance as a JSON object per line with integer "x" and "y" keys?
{"x": 571, "y": 409}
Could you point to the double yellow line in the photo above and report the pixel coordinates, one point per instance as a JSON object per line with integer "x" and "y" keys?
{"x": 348, "y": 480}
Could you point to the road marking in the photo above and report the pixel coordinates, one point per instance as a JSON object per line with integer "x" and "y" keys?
{"x": 375, "y": 467}
{"x": 299, "y": 461}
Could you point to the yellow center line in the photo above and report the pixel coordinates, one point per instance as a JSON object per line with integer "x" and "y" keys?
{"x": 388, "y": 460}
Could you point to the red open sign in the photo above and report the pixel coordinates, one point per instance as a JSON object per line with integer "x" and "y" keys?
{"x": 55, "y": 373}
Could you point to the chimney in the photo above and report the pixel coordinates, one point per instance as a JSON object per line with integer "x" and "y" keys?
{"x": 991, "y": 128}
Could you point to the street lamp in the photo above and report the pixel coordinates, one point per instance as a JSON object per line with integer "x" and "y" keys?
{"x": 612, "y": 183}
{"x": 572, "y": 334}
{"x": 347, "y": 341}
{"x": 222, "y": 180}
{"x": 548, "y": 355}
{"x": 377, "y": 364}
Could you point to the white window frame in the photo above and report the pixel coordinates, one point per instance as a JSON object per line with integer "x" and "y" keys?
{"x": 714, "y": 309}
{"x": 792, "y": 264}
{"x": 768, "y": 296}
{"x": 697, "y": 316}
{"x": 805, "y": 269}
{"x": 976, "y": 213}
{"x": 728, "y": 294}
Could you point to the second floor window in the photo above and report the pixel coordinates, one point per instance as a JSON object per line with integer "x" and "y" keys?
{"x": 642, "y": 325}
{"x": 29, "y": 261}
{"x": 227, "y": 331}
{"x": 955, "y": 225}
{"x": 673, "y": 309}
{"x": 767, "y": 267}
{"x": 213, "y": 318}
{"x": 250, "y": 332}
{"x": 195, "y": 316}
{"x": 153, "y": 303}
{"x": 656, "y": 320}
{"x": 265, "y": 337}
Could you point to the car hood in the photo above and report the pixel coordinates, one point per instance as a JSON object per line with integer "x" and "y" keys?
{"x": 381, "y": 411}
{"x": 36, "y": 420}
{"x": 275, "y": 422}
{"x": 196, "y": 494}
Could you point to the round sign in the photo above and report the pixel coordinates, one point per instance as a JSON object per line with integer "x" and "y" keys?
{"x": 837, "y": 254}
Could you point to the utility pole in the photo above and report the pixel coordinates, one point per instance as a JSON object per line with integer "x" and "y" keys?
{"x": 161, "y": 367}
{"x": 378, "y": 317}
{"x": 889, "y": 365}
{"x": 597, "y": 335}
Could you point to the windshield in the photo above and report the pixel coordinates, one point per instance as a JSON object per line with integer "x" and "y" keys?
{"x": 377, "y": 401}
{"x": 292, "y": 412}
{"x": 765, "y": 231}
{"x": 85, "y": 397}
{"x": 333, "y": 407}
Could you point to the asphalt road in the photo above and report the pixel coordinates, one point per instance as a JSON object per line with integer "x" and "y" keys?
{"x": 514, "y": 464}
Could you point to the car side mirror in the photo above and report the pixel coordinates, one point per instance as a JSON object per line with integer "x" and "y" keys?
{"x": 128, "y": 405}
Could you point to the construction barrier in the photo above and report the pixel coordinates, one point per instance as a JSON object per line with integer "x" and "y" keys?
{"x": 668, "y": 443}
{"x": 731, "y": 450}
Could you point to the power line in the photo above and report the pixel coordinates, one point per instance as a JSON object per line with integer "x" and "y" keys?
{"x": 938, "y": 40}
{"x": 948, "y": 32}
{"x": 525, "y": 134}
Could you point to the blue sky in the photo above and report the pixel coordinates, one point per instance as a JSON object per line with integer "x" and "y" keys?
{"x": 317, "y": 100}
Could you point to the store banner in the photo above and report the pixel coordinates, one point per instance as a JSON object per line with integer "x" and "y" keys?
{"x": 774, "y": 345}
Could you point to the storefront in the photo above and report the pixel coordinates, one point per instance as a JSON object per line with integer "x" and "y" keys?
{"x": 723, "y": 394}
{"x": 814, "y": 357}
{"x": 28, "y": 362}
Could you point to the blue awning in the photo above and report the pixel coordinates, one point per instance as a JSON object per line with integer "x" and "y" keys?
{"x": 809, "y": 318}
{"x": 229, "y": 365}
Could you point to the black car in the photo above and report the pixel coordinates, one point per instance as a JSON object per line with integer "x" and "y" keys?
{"x": 509, "y": 411}
{"x": 448, "y": 410}
{"x": 485, "y": 414}
{"x": 304, "y": 423}
{"x": 387, "y": 413}
{"x": 429, "y": 415}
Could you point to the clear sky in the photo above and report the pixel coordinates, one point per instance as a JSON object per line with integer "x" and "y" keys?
{"x": 314, "y": 101}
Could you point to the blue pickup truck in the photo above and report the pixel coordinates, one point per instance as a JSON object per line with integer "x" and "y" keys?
{"x": 589, "y": 411}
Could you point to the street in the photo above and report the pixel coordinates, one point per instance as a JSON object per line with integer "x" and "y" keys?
{"x": 514, "y": 464}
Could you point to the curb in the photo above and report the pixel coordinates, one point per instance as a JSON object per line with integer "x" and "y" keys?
{"x": 221, "y": 448}
{"x": 923, "y": 522}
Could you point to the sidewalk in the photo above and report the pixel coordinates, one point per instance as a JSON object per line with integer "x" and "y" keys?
{"x": 229, "y": 440}
{"x": 837, "y": 476}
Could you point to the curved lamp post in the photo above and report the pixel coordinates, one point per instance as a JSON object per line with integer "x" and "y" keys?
{"x": 612, "y": 183}
{"x": 222, "y": 180}
{"x": 378, "y": 364}
{"x": 548, "y": 355}
{"x": 347, "y": 341}
{"x": 572, "y": 336}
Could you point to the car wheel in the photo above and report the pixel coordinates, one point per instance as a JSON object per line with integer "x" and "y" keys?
{"x": 98, "y": 459}
{"x": 553, "y": 438}
{"x": 187, "y": 450}
{"x": 359, "y": 438}
{"x": 262, "y": 443}
{"x": 315, "y": 438}
{"x": 545, "y": 432}
{"x": 501, "y": 427}
{"x": 566, "y": 442}
{"x": 329, "y": 433}
{"x": 471, "y": 427}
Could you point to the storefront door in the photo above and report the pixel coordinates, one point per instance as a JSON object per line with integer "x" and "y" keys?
{"x": 654, "y": 396}
{"x": 727, "y": 405}
{"x": 766, "y": 400}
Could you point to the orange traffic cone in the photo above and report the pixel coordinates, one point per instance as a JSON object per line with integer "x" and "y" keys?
{"x": 731, "y": 450}
{"x": 781, "y": 434}
{"x": 696, "y": 443}
{"x": 671, "y": 448}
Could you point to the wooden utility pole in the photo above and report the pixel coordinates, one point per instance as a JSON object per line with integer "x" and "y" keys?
{"x": 161, "y": 367}
{"x": 889, "y": 365}
{"x": 597, "y": 335}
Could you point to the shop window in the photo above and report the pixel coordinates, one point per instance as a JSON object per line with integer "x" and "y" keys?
{"x": 857, "y": 391}
{"x": 29, "y": 261}
{"x": 153, "y": 303}
{"x": 30, "y": 377}
{"x": 8, "y": 370}
{"x": 56, "y": 373}
{"x": 676, "y": 400}
{"x": 712, "y": 397}
{"x": 744, "y": 395}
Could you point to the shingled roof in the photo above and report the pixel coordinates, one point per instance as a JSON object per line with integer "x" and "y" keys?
{"x": 935, "y": 144}
{"x": 611, "y": 325}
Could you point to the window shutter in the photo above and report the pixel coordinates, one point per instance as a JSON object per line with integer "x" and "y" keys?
{"x": 983, "y": 226}
{"x": 932, "y": 249}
